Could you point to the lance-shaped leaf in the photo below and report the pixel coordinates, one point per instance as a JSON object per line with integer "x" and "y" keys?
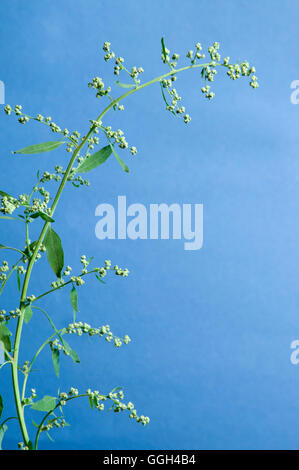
{"x": 120, "y": 161}
{"x": 40, "y": 148}
{"x": 3, "y": 429}
{"x": 125, "y": 85}
{"x": 56, "y": 361}
{"x": 94, "y": 160}
{"x": 18, "y": 280}
{"x": 99, "y": 279}
{"x": 4, "y": 194}
{"x": 163, "y": 48}
{"x": 90, "y": 402}
{"x": 66, "y": 346}
{"x": 74, "y": 299}
{"x": 54, "y": 249}
{"x": 47, "y": 404}
{"x": 70, "y": 351}
{"x": 5, "y": 337}
{"x": 28, "y": 314}
{"x": 30, "y": 445}
{"x": 8, "y": 217}
{"x": 42, "y": 215}
{"x": 74, "y": 302}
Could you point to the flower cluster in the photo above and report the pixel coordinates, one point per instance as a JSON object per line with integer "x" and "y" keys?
{"x": 29, "y": 400}
{"x": 56, "y": 345}
{"x": 4, "y": 317}
{"x": 9, "y": 204}
{"x": 99, "y": 271}
{"x": 118, "y": 138}
{"x": 77, "y": 280}
{"x": 57, "y": 422}
{"x": 97, "y": 400}
{"x": 30, "y": 298}
{"x": 98, "y": 84}
{"x": 57, "y": 283}
{"x": 21, "y": 269}
{"x": 81, "y": 328}
{"x": 208, "y": 72}
{"x": 236, "y": 71}
{"x": 22, "y": 446}
{"x": 3, "y": 269}
{"x": 57, "y": 175}
{"x": 24, "y": 118}
{"x": 174, "y": 97}
{"x": 119, "y": 64}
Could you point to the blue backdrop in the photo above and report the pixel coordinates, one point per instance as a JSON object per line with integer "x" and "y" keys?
{"x": 211, "y": 329}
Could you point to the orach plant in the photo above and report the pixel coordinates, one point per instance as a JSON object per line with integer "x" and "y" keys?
{"x": 39, "y": 204}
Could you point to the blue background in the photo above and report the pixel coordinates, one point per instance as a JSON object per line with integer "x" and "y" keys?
{"x": 211, "y": 329}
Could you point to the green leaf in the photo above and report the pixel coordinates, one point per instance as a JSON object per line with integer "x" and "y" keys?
{"x": 95, "y": 400}
{"x": 74, "y": 299}
{"x": 70, "y": 351}
{"x": 5, "y": 337}
{"x": 3, "y": 429}
{"x": 90, "y": 402}
{"x": 1, "y": 405}
{"x": 28, "y": 314}
{"x": 125, "y": 85}
{"x": 56, "y": 361}
{"x": 18, "y": 280}
{"x": 49, "y": 437}
{"x": 54, "y": 249}
{"x": 99, "y": 279}
{"x": 95, "y": 160}
{"x": 30, "y": 445}
{"x": 4, "y": 194}
{"x": 120, "y": 161}
{"x": 41, "y": 148}
{"x": 74, "y": 302}
{"x": 116, "y": 389}
{"x": 47, "y": 404}
{"x": 8, "y": 217}
{"x": 42, "y": 215}
{"x": 163, "y": 48}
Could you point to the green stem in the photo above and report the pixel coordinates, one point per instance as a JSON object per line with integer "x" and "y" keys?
{"x": 15, "y": 379}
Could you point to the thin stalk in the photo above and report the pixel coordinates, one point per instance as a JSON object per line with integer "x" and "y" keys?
{"x": 62, "y": 285}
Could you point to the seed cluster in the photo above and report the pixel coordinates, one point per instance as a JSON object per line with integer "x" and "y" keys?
{"x": 100, "y": 271}
{"x": 81, "y": 328}
{"x": 11, "y": 315}
{"x": 208, "y": 73}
